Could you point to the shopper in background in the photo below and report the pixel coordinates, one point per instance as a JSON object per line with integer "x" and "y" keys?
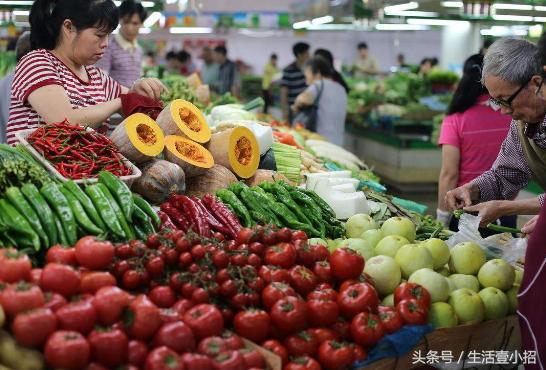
{"x": 22, "y": 47}
{"x": 122, "y": 59}
{"x": 337, "y": 77}
{"x": 270, "y": 71}
{"x": 365, "y": 65}
{"x": 173, "y": 63}
{"x": 149, "y": 60}
{"x": 332, "y": 104}
{"x": 228, "y": 78}
{"x": 58, "y": 80}
{"x": 512, "y": 73}
{"x": 209, "y": 69}
{"x": 425, "y": 67}
{"x": 401, "y": 60}
{"x": 187, "y": 64}
{"x": 471, "y": 137}
{"x": 293, "y": 79}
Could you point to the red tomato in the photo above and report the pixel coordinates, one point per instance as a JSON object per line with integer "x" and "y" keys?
{"x": 14, "y": 266}
{"x": 143, "y": 318}
{"x": 109, "y": 304}
{"x": 366, "y": 329}
{"x": 205, "y": 320}
{"x": 322, "y": 312}
{"x": 169, "y": 315}
{"x": 93, "y": 253}
{"x": 283, "y": 255}
{"x": 162, "y": 296}
{"x": 323, "y": 272}
{"x": 342, "y": 328}
{"x": 357, "y": 298}
{"x": 289, "y": 314}
{"x": 169, "y": 254}
{"x": 195, "y": 361}
{"x": 92, "y": 281}
{"x": 229, "y": 361}
{"x": 20, "y": 297}
{"x": 412, "y": 311}
{"x": 163, "y": 358}
{"x": 256, "y": 248}
{"x": 324, "y": 334}
{"x": 182, "y": 305}
{"x": 220, "y": 259}
{"x": 252, "y": 324}
{"x": 303, "y": 363}
{"x": 182, "y": 245}
{"x": 53, "y": 301}
{"x": 391, "y": 319}
{"x": 303, "y": 280}
{"x": 32, "y": 328}
{"x": 95, "y": 366}
{"x": 253, "y": 359}
{"x": 35, "y": 276}
{"x": 412, "y": 291}
{"x": 155, "y": 267}
{"x": 299, "y": 235}
{"x": 283, "y": 235}
{"x": 212, "y": 346}
{"x": 323, "y": 292}
{"x": 271, "y": 273}
{"x": 109, "y": 347}
{"x": 277, "y": 348}
{"x": 360, "y": 352}
{"x": 246, "y": 236}
{"x": 61, "y": 254}
{"x": 346, "y": 264}
{"x": 257, "y": 285}
{"x": 335, "y": 355}
{"x": 137, "y": 352}
{"x": 275, "y": 291}
{"x": 200, "y": 296}
{"x": 60, "y": 279}
{"x": 67, "y": 350}
{"x": 306, "y": 256}
{"x": 303, "y": 343}
{"x": 232, "y": 340}
{"x": 346, "y": 284}
{"x": 77, "y": 316}
{"x": 175, "y": 335}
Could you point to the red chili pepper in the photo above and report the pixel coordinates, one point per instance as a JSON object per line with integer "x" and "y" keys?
{"x": 222, "y": 213}
{"x": 196, "y": 217}
{"x": 214, "y": 224}
{"x": 166, "y": 222}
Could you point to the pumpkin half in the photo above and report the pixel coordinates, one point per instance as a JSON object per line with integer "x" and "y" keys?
{"x": 192, "y": 157}
{"x": 139, "y": 138}
{"x": 184, "y": 119}
{"x": 237, "y": 150}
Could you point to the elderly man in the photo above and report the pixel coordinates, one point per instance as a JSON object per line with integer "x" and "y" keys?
{"x": 512, "y": 73}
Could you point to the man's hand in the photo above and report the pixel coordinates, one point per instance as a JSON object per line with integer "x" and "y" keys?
{"x": 529, "y": 227}
{"x": 458, "y": 198}
{"x": 150, "y": 87}
{"x": 488, "y": 211}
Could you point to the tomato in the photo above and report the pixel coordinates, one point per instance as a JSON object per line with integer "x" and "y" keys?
{"x": 359, "y": 352}
{"x": 220, "y": 259}
{"x": 254, "y": 260}
{"x": 212, "y": 346}
{"x": 137, "y": 352}
{"x": 367, "y": 329}
{"x": 324, "y": 334}
{"x": 169, "y": 254}
{"x": 198, "y": 252}
{"x": 153, "y": 241}
{"x": 14, "y": 266}
{"x": 257, "y": 284}
{"x": 229, "y": 361}
{"x": 108, "y": 347}
{"x": 323, "y": 292}
{"x": 195, "y": 361}
{"x": 53, "y": 301}
{"x": 252, "y": 324}
{"x": 283, "y": 255}
{"x": 92, "y": 281}
{"x": 155, "y": 267}
{"x": 61, "y": 254}
{"x": 175, "y": 335}
{"x": 277, "y": 348}
{"x": 252, "y": 358}
{"x": 163, "y": 358}
{"x": 413, "y": 312}
{"x": 162, "y": 296}
{"x": 275, "y": 291}
{"x": 67, "y": 350}
{"x": 323, "y": 272}
{"x": 199, "y": 296}
{"x": 93, "y": 253}
{"x": 302, "y": 279}
{"x": 232, "y": 340}
{"x": 35, "y": 276}
{"x": 109, "y": 304}
{"x": 269, "y": 237}
{"x": 185, "y": 259}
{"x": 289, "y": 314}
{"x": 96, "y": 366}
{"x": 412, "y": 291}
{"x": 182, "y": 245}
{"x": 303, "y": 343}
{"x": 346, "y": 264}
{"x": 271, "y": 273}
{"x": 32, "y": 328}
{"x": 169, "y": 315}
{"x": 306, "y": 256}
{"x": 228, "y": 288}
{"x": 123, "y": 251}
{"x": 20, "y": 297}
{"x": 205, "y": 320}
{"x": 342, "y": 328}
{"x": 257, "y": 248}
{"x": 60, "y": 279}
{"x": 303, "y": 363}
{"x": 188, "y": 289}
{"x": 391, "y": 319}
{"x": 246, "y": 236}
{"x": 299, "y": 235}
{"x": 335, "y": 355}
{"x": 357, "y": 298}
{"x": 239, "y": 259}
{"x": 142, "y": 318}
{"x": 182, "y": 305}
{"x": 77, "y": 316}
{"x": 322, "y": 312}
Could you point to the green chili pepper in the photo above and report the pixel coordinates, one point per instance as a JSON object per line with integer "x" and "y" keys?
{"x": 146, "y": 207}
{"x": 267, "y": 186}
{"x": 266, "y": 204}
{"x": 79, "y": 213}
{"x": 60, "y": 205}
{"x": 105, "y": 210}
{"x": 19, "y": 225}
{"x": 259, "y": 217}
{"x": 292, "y": 221}
{"x": 42, "y": 209}
{"x": 120, "y": 191}
{"x": 142, "y": 220}
{"x": 284, "y": 196}
{"x": 63, "y": 240}
{"x": 252, "y": 203}
{"x": 239, "y": 208}
{"x": 86, "y": 203}
{"x": 326, "y": 209}
{"x": 140, "y": 233}
{"x": 304, "y": 200}
{"x": 117, "y": 210}
{"x": 18, "y": 200}
{"x": 236, "y": 187}
{"x": 315, "y": 219}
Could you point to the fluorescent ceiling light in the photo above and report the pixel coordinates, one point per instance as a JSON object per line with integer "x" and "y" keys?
{"x": 540, "y": 8}
{"x": 302, "y": 24}
{"x": 171, "y": 1}
{"x": 144, "y": 30}
{"x": 411, "y": 13}
{"x": 401, "y": 7}
{"x": 323, "y": 20}
{"x": 400, "y": 27}
{"x": 21, "y": 13}
{"x": 332, "y": 27}
{"x": 503, "y": 31}
{"x": 146, "y": 4}
{"x": 452, "y": 4}
{"x": 14, "y": 2}
{"x": 437, "y": 22}
{"x": 513, "y": 18}
{"x": 540, "y": 19}
{"x": 152, "y": 19}
{"x": 190, "y": 30}
{"x": 512, "y": 6}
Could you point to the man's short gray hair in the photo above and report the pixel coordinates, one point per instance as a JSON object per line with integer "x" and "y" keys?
{"x": 512, "y": 60}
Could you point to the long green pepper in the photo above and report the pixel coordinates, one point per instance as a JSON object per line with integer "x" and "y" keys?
{"x": 17, "y": 199}
{"x": 292, "y": 221}
{"x": 117, "y": 210}
{"x": 105, "y": 210}
{"x": 147, "y": 208}
{"x": 283, "y": 196}
{"x": 238, "y": 207}
{"x": 58, "y": 202}
{"x": 79, "y": 213}
{"x": 42, "y": 209}
{"x": 60, "y": 232}
{"x": 252, "y": 203}
{"x": 266, "y": 204}
{"x": 120, "y": 191}
{"x": 86, "y": 203}
{"x": 142, "y": 220}
{"x": 18, "y": 224}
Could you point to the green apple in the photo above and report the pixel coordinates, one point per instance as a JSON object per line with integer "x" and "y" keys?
{"x": 359, "y": 223}
{"x": 314, "y": 241}
{"x": 413, "y": 257}
{"x": 359, "y": 245}
{"x": 442, "y": 315}
{"x": 468, "y": 306}
{"x": 465, "y": 281}
{"x": 388, "y": 301}
{"x": 401, "y": 226}
{"x": 439, "y": 251}
{"x": 452, "y": 286}
{"x": 497, "y": 273}
{"x": 466, "y": 258}
{"x": 385, "y": 273}
{"x": 334, "y": 244}
{"x": 432, "y": 281}
{"x": 372, "y": 236}
{"x": 519, "y": 275}
{"x": 512, "y": 295}
{"x": 444, "y": 270}
{"x": 495, "y": 302}
{"x": 389, "y": 245}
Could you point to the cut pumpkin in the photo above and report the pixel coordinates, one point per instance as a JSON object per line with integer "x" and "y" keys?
{"x": 184, "y": 119}
{"x": 193, "y": 158}
{"x": 139, "y": 138}
{"x": 237, "y": 150}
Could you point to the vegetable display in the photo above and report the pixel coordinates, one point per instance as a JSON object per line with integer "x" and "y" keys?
{"x": 18, "y": 168}
{"x": 192, "y": 157}
{"x": 182, "y": 118}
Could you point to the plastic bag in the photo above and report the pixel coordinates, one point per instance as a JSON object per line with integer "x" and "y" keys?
{"x": 503, "y": 246}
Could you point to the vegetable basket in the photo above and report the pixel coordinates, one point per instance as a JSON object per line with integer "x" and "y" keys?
{"x": 22, "y": 137}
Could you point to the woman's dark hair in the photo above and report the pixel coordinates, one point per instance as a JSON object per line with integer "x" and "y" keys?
{"x": 47, "y": 17}
{"x": 183, "y": 56}
{"x": 130, "y": 7}
{"x": 336, "y": 76}
{"x": 541, "y": 45}
{"x": 470, "y": 87}
{"x": 320, "y": 65}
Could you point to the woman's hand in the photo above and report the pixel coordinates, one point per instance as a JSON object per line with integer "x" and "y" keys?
{"x": 529, "y": 227}
{"x": 150, "y": 87}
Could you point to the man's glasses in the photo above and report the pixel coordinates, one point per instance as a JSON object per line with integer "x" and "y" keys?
{"x": 508, "y": 102}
